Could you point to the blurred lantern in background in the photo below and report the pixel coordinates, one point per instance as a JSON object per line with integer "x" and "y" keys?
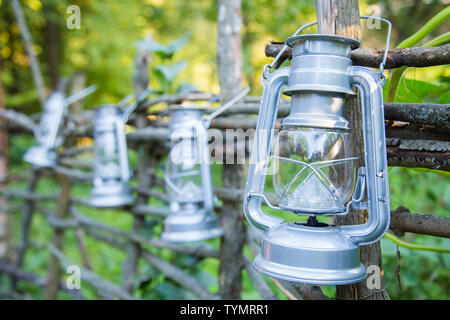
{"x": 111, "y": 170}
{"x": 49, "y": 132}
{"x": 314, "y": 165}
{"x": 188, "y": 179}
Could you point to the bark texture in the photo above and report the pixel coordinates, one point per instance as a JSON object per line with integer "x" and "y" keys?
{"x": 140, "y": 81}
{"x": 418, "y": 57}
{"x": 4, "y": 235}
{"x": 342, "y": 18}
{"x": 229, "y": 61}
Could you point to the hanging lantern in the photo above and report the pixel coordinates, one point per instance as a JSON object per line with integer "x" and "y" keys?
{"x": 111, "y": 170}
{"x": 48, "y": 134}
{"x": 314, "y": 166}
{"x": 188, "y": 175}
{"x": 188, "y": 179}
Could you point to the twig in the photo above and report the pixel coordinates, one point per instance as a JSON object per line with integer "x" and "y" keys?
{"x": 258, "y": 281}
{"x": 410, "y": 57}
{"x": 92, "y": 278}
{"x": 28, "y": 44}
{"x": 179, "y": 276}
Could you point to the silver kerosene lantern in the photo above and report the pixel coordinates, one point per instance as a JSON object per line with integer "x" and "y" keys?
{"x": 314, "y": 164}
{"x": 188, "y": 179}
{"x": 111, "y": 170}
{"x": 48, "y": 133}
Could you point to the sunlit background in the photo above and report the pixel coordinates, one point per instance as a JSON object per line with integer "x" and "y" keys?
{"x": 104, "y": 49}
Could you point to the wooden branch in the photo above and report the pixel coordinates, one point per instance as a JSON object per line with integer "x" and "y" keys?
{"x": 28, "y": 195}
{"x": 157, "y": 195}
{"x": 18, "y": 119}
{"x": 198, "y": 250}
{"x": 398, "y": 157}
{"x": 172, "y": 272}
{"x": 176, "y": 99}
{"x": 54, "y": 269}
{"x": 36, "y": 279}
{"x": 437, "y": 115}
{"x": 417, "y": 57}
{"x": 402, "y": 220}
{"x": 92, "y": 278}
{"x": 26, "y": 223}
{"x": 28, "y": 45}
{"x": 258, "y": 281}
{"x": 179, "y": 276}
{"x": 143, "y": 209}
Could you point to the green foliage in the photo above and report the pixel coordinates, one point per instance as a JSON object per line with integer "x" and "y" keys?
{"x": 104, "y": 49}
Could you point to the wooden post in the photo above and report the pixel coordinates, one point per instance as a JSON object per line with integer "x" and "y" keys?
{"x": 229, "y": 60}
{"x": 342, "y": 18}
{"x": 54, "y": 269}
{"x": 4, "y": 234}
{"x": 140, "y": 81}
{"x": 27, "y": 217}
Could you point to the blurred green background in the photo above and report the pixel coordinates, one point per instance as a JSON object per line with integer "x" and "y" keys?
{"x": 104, "y": 48}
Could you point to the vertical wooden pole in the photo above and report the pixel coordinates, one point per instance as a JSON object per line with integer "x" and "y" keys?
{"x": 140, "y": 81}
{"x": 54, "y": 269}
{"x": 342, "y": 18}
{"x": 4, "y": 235}
{"x": 27, "y": 217}
{"x": 229, "y": 60}
{"x": 64, "y": 202}
{"x": 28, "y": 44}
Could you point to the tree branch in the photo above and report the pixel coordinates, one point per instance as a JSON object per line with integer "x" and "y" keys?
{"x": 409, "y": 57}
{"x": 402, "y": 220}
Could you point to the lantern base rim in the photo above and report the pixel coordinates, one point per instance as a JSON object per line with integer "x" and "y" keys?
{"x": 40, "y": 157}
{"x": 309, "y": 254}
{"x": 104, "y": 198}
{"x": 309, "y": 275}
{"x": 191, "y": 227}
{"x": 191, "y": 236}
{"x": 111, "y": 201}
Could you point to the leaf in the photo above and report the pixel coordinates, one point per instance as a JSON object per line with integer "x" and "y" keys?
{"x": 187, "y": 88}
{"x": 179, "y": 43}
{"x": 152, "y": 46}
{"x": 170, "y": 72}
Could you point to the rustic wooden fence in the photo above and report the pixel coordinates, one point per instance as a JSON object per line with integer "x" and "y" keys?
{"x": 418, "y": 135}
{"x": 151, "y": 139}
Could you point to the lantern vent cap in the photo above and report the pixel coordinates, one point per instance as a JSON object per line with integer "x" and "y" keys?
{"x": 292, "y": 41}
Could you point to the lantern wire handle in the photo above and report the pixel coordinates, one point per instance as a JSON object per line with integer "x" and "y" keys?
{"x": 80, "y": 94}
{"x": 226, "y": 106}
{"x": 268, "y": 67}
{"x": 388, "y": 40}
{"x": 126, "y": 111}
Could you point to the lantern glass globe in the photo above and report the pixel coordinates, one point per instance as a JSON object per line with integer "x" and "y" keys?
{"x": 315, "y": 170}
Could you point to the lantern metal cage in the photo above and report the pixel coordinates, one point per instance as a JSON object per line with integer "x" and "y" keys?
{"x": 111, "y": 169}
{"x": 188, "y": 179}
{"x": 48, "y": 133}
